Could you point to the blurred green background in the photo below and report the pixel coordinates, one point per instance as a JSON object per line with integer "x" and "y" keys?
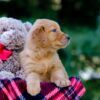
{"x": 81, "y": 20}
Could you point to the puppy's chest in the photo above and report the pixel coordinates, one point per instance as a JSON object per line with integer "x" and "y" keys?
{"x": 48, "y": 63}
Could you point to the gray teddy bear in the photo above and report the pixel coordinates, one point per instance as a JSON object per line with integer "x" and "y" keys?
{"x": 12, "y": 37}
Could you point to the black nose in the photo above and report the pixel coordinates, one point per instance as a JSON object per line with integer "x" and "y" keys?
{"x": 68, "y": 38}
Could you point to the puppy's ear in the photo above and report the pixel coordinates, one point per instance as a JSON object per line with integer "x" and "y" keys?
{"x": 38, "y": 31}
{"x": 38, "y": 34}
{"x": 40, "y": 37}
{"x": 41, "y": 29}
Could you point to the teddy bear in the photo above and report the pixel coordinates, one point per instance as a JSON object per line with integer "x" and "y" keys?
{"x": 12, "y": 37}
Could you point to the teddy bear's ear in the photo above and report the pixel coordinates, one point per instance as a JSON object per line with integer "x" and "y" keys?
{"x": 28, "y": 26}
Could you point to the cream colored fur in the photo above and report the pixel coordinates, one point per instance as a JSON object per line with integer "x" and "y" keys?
{"x": 39, "y": 57}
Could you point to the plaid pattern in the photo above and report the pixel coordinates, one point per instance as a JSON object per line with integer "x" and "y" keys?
{"x": 15, "y": 89}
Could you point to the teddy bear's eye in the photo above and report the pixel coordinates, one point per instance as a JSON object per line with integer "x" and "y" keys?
{"x": 54, "y": 30}
{"x": 4, "y": 30}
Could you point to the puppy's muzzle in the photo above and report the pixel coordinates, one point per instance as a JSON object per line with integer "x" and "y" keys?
{"x": 65, "y": 40}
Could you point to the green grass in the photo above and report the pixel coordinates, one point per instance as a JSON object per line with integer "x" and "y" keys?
{"x": 92, "y": 90}
{"x": 83, "y": 52}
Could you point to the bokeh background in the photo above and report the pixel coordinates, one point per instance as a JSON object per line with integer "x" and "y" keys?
{"x": 81, "y": 20}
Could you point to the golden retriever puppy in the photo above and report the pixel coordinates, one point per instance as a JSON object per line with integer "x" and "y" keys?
{"x": 39, "y": 57}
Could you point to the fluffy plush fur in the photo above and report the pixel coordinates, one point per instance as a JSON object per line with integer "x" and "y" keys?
{"x": 39, "y": 57}
{"x": 12, "y": 36}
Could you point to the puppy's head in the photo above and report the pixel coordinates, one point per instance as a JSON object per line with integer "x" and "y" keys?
{"x": 47, "y": 34}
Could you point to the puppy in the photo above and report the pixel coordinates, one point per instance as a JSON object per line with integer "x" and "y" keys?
{"x": 39, "y": 57}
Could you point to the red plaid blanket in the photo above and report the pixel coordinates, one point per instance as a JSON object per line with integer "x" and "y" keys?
{"x": 15, "y": 89}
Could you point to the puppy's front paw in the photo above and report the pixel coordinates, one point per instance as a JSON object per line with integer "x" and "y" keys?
{"x": 62, "y": 82}
{"x": 33, "y": 88}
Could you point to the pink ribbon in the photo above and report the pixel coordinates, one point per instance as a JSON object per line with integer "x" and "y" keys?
{"x": 4, "y": 53}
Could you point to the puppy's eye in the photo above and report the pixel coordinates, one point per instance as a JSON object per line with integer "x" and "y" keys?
{"x": 54, "y": 30}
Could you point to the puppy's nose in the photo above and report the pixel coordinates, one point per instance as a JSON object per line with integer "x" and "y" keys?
{"x": 68, "y": 37}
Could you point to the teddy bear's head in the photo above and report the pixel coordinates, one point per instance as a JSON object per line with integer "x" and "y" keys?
{"x": 13, "y": 32}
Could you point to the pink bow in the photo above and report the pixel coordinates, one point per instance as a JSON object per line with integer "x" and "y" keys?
{"x": 4, "y": 53}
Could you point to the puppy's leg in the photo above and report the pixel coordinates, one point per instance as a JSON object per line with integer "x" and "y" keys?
{"x": 59, "y": 75}
{"x": 33, "y": 83}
